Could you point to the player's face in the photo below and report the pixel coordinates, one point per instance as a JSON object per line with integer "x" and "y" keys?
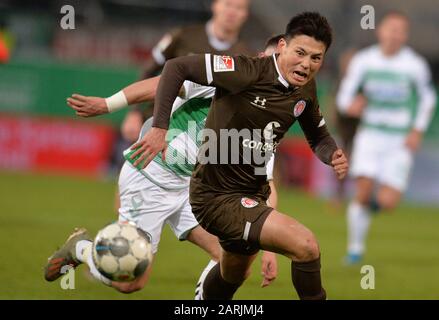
{"x": 230, "y": 14}
{"x": 300, "y": 59}
{"x": 393, "y": 34}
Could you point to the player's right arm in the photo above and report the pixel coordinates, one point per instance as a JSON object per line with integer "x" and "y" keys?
{"x": 349, "y": 101}
{"x": 87, "y": 106}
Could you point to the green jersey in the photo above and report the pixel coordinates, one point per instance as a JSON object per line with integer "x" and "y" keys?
{"x": 184, "y": 138}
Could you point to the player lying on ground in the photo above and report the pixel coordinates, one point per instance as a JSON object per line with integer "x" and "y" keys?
{"x": 253, "y": 95}
{"x": 159, "y": 193}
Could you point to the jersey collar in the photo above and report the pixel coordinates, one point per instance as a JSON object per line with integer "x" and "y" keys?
{"x": 280, "y": 77}
{"x": 216, "y": 43}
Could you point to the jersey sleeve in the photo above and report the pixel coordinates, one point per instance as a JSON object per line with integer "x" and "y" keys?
{"x": 165, "y": 48}
{"x": 195, "y": 90}
{"x": 427, "y": 96}
{"x": 235, "y": 74}
{"x": 314, "y": 127}
{"x": 231, "y": 73}
{"x": 270, "y": 168}
{"x": 351, "y": 83}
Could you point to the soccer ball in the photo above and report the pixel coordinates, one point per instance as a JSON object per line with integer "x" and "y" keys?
{"x": 122, "y": 252}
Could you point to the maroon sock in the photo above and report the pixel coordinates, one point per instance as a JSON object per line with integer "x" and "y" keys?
{"x": 307, "y": 280}
{"x": 216, "y": 288}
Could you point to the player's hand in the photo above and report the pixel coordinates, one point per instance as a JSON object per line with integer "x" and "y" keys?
{"x": 355, "y": 110}
{"x": 131, "y": 125}
{"x": 87, "y": 106}
{"x": 340, "y": 164}
{"x": 151, "y": 144}
{"x": 269, "y": 268}
{"x": 413, "y": 140}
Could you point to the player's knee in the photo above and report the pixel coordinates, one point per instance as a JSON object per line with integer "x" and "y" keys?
{"x": 237, "y": 276}
{"x": 362, "y": 199}
{"x": 308, "y": 249}
{"x": 388, "y": 204}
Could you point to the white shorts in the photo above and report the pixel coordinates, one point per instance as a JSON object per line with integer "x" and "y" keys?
{"x": 382, "y": 157}
{"x": 150, "y": 206}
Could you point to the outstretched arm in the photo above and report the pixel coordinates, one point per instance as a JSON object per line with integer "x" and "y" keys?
{"x": 141, "y": 91}
{"x": 229, "y": 73}
{"x": 175, "y": 72}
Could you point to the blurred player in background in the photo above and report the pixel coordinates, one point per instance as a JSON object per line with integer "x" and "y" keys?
{"x": 346, "y": 127}
{"x": 388, "y": 86}
{"x": 228, "y": 199}
{"x": 220, "y": 35}
{"x": 158, "y": 194}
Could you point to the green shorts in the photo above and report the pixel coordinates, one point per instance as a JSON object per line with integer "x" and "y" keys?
{"x": 236, "y": 219}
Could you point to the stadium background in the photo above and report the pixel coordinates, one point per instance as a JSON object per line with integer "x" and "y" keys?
{"x": 50, "y": 182}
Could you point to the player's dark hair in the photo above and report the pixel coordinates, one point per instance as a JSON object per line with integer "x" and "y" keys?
{"x": 311, "y": 24}
{"x": 273, "y": 41}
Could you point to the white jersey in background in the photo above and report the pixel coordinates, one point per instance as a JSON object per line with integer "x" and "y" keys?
{"x": 188, "y": 118}
{"x": 398, "y": 89}
{"x": 400, "y": 97}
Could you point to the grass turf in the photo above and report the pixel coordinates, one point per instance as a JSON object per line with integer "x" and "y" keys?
{"x": 38, "y": 212}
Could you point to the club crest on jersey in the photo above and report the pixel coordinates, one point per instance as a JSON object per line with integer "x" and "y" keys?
{"x": 248, "y": 203}
{"x": 223, "y": 64}
{"x": 299, "y": 107}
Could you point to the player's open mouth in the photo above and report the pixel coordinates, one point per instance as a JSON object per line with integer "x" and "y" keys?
{"x": 300, "y": 76}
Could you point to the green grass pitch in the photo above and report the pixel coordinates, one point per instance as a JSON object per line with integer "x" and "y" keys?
{"x": 37, "y": 212}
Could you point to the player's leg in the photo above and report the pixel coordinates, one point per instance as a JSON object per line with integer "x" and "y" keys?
{"x": 210, "y": 244}
{"x": 186, "y": 227}
{"x": 285, "y": 235}
{"x": 394, "y": 176}
{"x": 236, "y": 221}
{"x": 67, "y": 255}
{"x": 206, "y": 241}
{"x": 141, "y": 202}
{"x": 359, "y": 219}
{"x": 78, "y": 250}
{"x": 227, "y": 276}
{"x": 388, "y": 197}
{"x": 365, "y": 168}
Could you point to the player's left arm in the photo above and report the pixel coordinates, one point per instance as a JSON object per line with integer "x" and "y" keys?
{"x": 268, "y": 268}
{"x": 425, "y": 107}
{"x": 323, "y": 145}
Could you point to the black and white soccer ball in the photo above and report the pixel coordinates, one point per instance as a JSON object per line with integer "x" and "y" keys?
{"x": 122, "y": 252}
